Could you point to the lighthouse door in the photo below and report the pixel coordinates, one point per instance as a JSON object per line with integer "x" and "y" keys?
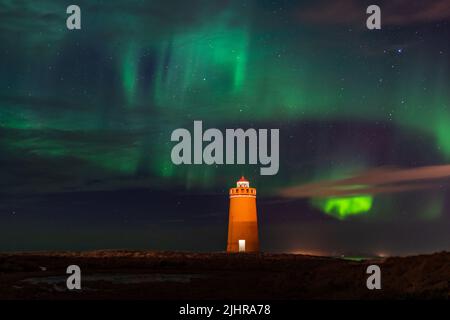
{"x": 241, "y": 245}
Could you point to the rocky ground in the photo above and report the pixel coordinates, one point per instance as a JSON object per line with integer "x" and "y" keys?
{"x": 122, "y": 274}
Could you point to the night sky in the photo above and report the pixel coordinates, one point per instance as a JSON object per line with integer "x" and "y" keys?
{"x": 86, "y": 118}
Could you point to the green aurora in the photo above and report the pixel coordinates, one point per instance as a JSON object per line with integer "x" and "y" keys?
{"x": 342, "y": 207}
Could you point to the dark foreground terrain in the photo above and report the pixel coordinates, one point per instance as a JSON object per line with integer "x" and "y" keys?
{"x": 175, "y": 275}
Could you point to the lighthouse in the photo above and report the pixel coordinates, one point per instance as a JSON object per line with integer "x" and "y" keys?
{"x": 242, "y": 223}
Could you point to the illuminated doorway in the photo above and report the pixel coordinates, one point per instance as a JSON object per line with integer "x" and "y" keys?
{"x": 241, "y": 245}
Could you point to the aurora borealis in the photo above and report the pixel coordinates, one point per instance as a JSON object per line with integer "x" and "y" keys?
{"x": 345, "y": 206}
{"x": 86, "y": 117}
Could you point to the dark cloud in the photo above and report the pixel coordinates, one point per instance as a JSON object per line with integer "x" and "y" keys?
{"x": 393, "y": 13}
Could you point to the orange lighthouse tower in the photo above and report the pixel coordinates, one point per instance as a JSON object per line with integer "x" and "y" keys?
{"x": 243, "y": 223}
